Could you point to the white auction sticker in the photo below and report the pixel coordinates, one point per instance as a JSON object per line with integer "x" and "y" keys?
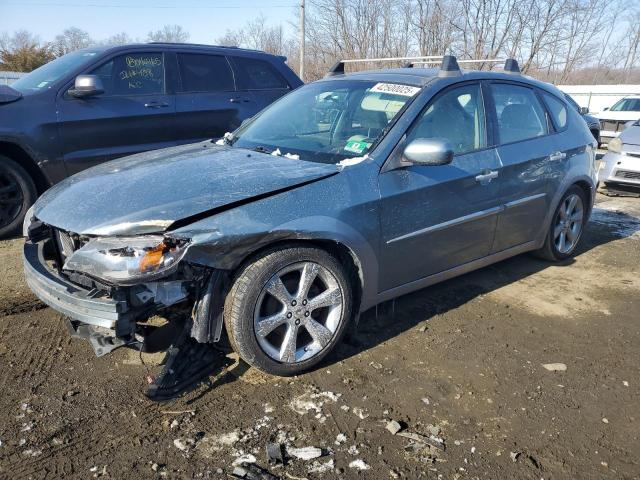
{"x": 395, "y": 89}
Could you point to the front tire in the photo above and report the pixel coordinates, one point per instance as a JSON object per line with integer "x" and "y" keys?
{"x": 17, "y": 194}
{"x": 566, "y": 226}
{"x": 288, "y": 308}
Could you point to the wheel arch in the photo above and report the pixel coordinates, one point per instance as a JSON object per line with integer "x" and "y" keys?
{"x": 332, "y": 235}
{"x": 19, "y": 155}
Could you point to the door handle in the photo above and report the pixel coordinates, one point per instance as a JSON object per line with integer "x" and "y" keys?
{"x": 155, "y": 104}
{"x": 554, "y": 157}
{"x": 238, "y": 100}
{"x": 487, "y": 177}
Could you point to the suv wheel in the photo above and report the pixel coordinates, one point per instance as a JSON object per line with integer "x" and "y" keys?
{"x": 566, "y": 227}
{"x": 17, "y": 194}
{"x": 288, "y": 308}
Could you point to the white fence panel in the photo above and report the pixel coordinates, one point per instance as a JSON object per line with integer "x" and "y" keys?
{"x": 599, "y": 97}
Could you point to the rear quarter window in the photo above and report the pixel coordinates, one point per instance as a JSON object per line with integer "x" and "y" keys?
{"x": 558, "y": 111}
{"x": 254, "y": 74}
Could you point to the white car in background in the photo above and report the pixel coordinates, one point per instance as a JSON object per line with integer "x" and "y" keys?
{"x": 621, "y": 164}
{"x": 615, "y": 119}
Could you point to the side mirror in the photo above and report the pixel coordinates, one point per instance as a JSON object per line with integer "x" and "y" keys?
{"x": 605, "y": 109}
{"x": 584, "y": 110}
{"x": 428, "y": 152}
{"x": 87, "y": 86}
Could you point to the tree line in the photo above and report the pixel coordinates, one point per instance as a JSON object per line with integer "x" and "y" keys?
{"x": 23, "y": 52}
{"x": 560, "y": 41}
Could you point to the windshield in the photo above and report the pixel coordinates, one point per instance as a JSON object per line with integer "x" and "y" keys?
{"x": 627, "y": 105}
{"x": 327, "y": 121}
{"x": 45, "y": 76}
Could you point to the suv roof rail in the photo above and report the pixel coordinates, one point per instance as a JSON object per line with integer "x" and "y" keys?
{"x": 192, "y": 44}
{"x": 449, "y": 65}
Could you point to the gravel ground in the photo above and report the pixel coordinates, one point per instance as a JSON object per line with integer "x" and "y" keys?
{"x": 462, "y": 362}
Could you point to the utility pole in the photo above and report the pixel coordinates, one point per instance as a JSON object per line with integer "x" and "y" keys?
{"x": 302, "y": 40}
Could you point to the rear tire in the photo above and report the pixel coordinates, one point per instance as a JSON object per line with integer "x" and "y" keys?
{"x": 566, "y": 227}
{"x": 17, "y": 194}
{"x": 286, "y": 331}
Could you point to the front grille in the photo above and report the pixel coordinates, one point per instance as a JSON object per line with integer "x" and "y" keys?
{"x": 67, "y": 243}
{"x": 628, "y": 174}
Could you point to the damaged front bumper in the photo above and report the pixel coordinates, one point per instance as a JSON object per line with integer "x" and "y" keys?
{"x": 110, "y": 317}
{"x": 71, "y": 300}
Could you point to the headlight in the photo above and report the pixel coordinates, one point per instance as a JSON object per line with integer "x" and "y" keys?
{"x": 127, "y": 260}
{"x": 615, "y": 145}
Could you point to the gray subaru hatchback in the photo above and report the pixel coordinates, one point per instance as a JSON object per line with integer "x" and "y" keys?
{"x": 347, "y": 192}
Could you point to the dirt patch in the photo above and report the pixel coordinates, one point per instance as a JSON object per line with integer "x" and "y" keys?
{"x": 463, "y": 362}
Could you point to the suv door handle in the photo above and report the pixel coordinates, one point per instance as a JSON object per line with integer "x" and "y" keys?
{"x": 238, "y": 100}
{"x": 155, "y": 104}
{"x": 487, "y": 177}
{"x": 554, "y": 157}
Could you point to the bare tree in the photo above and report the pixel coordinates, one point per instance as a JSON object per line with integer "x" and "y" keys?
{"x": 70, "y": 40}
{"x": 170, "y": 34}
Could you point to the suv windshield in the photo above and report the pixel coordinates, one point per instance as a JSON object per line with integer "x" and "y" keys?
{"x": 627, "y": 105}
{"x": 45, "y": 76}
{"x": 327, "y": 121}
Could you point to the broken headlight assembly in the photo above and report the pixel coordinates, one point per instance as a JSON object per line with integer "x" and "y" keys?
{"x": 127, "y": 260}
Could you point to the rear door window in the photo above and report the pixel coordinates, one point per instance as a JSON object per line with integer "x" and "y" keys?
{"x": 557, "y": 109}
{"x": 519, "y": 113}
{"x": 133, "y": 74}
{"x": 205, "y": 73}
{"x": 254, "y": 74}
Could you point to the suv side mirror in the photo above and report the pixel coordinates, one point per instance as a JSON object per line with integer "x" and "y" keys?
{"x": 584, "y": 110}
{"x": 428, "y": 152}
{"x": 87, "y": 86}
{"x": 605, "y": 109}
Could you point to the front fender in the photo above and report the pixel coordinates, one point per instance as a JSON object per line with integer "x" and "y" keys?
{"x": 227, "y": 251}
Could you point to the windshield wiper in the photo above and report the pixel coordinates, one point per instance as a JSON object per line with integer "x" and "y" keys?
{"x": 261, "y": 149}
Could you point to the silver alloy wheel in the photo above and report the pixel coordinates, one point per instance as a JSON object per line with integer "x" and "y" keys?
{"x": 568, "y": 224}
{"x": 292, "y": 327}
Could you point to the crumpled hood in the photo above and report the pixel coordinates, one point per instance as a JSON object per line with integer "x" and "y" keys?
{"x": 148, "y": 192}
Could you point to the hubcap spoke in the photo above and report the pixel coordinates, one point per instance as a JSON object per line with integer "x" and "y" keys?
{"x": 576, "y": 216}
{"x": 276, "y": 288}
{"x": 269, "y": 324}
{"x": 572, "y": 204}
{"x": 562, "y": 241}
{"x": 318, "y": 332}
{"x": 288, "y": 349}
{"x": 307, "y": 277}
{"x": 325, "y": 299}
{"x": 557, "y": 231}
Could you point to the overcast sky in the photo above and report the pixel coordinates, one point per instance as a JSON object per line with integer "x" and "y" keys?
{"x": 205, "y": 20}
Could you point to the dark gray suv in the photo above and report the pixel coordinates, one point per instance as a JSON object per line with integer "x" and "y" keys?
{"x": 101, "y": 103}
{"x": 343, "y": 194}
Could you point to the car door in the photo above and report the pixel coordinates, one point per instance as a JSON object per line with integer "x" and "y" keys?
{"x": 207, "y": 101}
{"x": 525, "y": 149}
{"x": 259, "y": 79}
{"x": 434, "y": 218}
{"x": 134, "y": 114}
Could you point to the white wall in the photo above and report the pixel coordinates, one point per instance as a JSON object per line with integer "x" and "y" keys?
{"x": 597, "y": 97}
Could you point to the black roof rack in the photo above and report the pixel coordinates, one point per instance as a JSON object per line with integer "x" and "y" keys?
{"x": 511, "y": 66}
{"x": 449, "y": 65}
